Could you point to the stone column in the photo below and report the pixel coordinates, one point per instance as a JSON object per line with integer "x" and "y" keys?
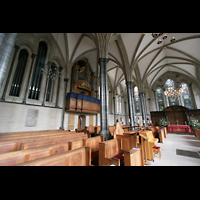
{"x": 155, "y": 100}
{"x": 96, "y": 91}
{"x": 104, "y": 99}
{"x": 10, "y": 71}
{"x": 64, "y": 104}
{"x": 192, "y": 96}
{"x": 33, "y": 56}
{"x": 125, "y": 112}
{"x": 114, "y": 111}
{"x": 143, "y": 105}
{"x": 7, "y": 41}
{"x": 58, "y": 87}
{"x": 130, "y": 102}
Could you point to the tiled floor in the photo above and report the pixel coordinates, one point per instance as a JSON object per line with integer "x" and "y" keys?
{"x": 168, "y": 151}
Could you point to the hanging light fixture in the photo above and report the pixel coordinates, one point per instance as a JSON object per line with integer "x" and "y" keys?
{"x": 173, "y": 93}
{"x": 162, "y": 38}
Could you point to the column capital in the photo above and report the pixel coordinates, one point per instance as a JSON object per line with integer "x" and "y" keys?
{"x": 60, "y": 68}
{"x": 17, "y": 47}
{"x": 66, "y": 80}
{"x": 33, "y": 55}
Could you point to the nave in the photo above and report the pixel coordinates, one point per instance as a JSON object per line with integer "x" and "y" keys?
{"x": 85, "y": 147}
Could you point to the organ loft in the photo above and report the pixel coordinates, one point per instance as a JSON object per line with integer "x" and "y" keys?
{"x": 99, "y": 99}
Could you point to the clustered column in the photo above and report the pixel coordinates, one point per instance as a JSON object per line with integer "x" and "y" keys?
{"x": 144, "y": 109}
{"x": 7, "y": 41}
{"x": 104, "y": 99}
{"x": 130, "y": 102}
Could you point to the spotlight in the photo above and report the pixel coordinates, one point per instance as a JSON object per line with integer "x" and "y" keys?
{"x": 160, "y": 34}
{"x": 172, "y": 39}
{"x": 154, "y": 34}
{"x": 164, "y": 36}
{"x": 159, "y": 41}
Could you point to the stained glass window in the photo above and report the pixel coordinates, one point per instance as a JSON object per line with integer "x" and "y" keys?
{"x": 159, "y": 93}
{"x": 169, "y": 84}
{"x": 137, "y": 102}
{"x": 186, "y": 96}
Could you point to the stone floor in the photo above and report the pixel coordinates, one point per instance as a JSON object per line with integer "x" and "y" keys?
{"x": 179, "y": 141}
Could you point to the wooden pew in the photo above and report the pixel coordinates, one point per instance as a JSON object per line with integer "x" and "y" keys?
{"x": 90, "y": 130}
{"x": 127, "y": 141}
{"x": 76, "y": 157}
{"x": 36, "y": 134}
{"x": 24, "y": 133}
{"x": 40, "y": 143}
{"x": 112, "y": 130}
{"x": 133, "y": 157}
{"x": 110, "y": 152}
{"x": 97, "y": 130}
{"x": 92, "y": 142}
{"x": 14, "y": 145}
{"x": 17, "y": 157}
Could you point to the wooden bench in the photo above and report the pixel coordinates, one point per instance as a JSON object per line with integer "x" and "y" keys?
{"x": 27, "y": 133}
{"x": 128, "y": 141}
{"x": 40, "y": 143}
{"x": 110, "y": 152}
{"x": 90, "y": 130}
{"x": 14, "y": 145}
{"x": 36, "y": 134}
{"x": 76, "y": 157}
{"x": 17, "y": 157}
{"x": 112, "y": 130}
{"x": 92, "y": 142}
{"x": 133, "y": 157}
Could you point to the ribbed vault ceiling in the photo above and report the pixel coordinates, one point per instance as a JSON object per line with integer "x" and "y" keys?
{"x": 135, "y": 56}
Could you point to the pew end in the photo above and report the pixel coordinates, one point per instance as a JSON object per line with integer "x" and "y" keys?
{"x": 133, "y": 157}
{"x": 110, "y": 152}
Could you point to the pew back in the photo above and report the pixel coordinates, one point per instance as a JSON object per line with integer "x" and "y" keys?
{"x": 93, "y": 143}
{"x": 128, "y": 141}
{"x": 14, "y": 144}
{"x": 17, "y": 157}
{"x": 39, "y": 143}
{"x": 76, "y": 157}
{"x": 107, "y": 150}
{"x": 133, "y": 157}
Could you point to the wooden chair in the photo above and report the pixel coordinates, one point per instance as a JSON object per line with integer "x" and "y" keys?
{"x": 156, "y": 150}
{"x": 150, "y": 142}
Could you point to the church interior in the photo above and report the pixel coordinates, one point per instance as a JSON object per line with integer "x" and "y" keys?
{"x": 99, "y": 99}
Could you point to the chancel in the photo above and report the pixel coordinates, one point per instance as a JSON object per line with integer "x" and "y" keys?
{"x": 97, "y": 99}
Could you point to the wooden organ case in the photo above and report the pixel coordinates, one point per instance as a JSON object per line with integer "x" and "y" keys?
{"x": 82, "y": 80}
{"x": 81, "y": 96}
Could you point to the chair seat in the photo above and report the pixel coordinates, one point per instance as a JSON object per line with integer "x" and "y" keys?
{"x": 94, "y": 155}
{"x": 156, "y": 147}
{"x": 119, "y": 156}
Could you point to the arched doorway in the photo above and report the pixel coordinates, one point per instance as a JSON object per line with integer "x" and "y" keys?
{"x": 81, "y": 121}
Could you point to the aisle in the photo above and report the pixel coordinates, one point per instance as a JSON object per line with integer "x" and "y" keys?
{"x": 176, "y": 144}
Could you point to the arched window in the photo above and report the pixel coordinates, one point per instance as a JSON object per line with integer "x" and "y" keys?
{"x": 186, "y": 96}
{"x": 34, "y": 89}
{"x": 159, "y": 93}
{"x": 137, "y": 102}
{"x": 51, "y": 81}
{"x": 169, "y": 85}
{"x": 19, "y": 73}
